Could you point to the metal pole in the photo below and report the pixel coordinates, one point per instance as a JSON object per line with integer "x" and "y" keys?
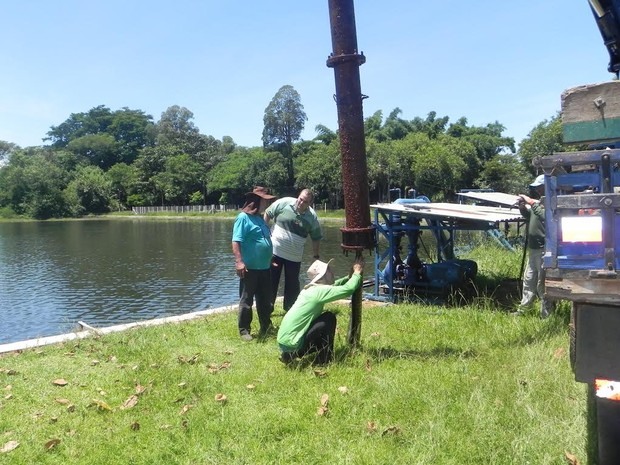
{"x": 358, "y": 233}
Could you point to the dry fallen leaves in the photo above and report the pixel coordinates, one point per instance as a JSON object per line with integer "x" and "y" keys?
{"x": 130, "y": 402}
{"x": 221, "y": 398}
{"x": 572, "y": 460}
{"x": 185, "y": 409}
{"x": 60, "y": 382}
{"x": 371, "y": 427}
{"x": 215, "y": 367}
{"x": 343, "y": 389}
{"x": 391, "y": 430}
{"x": 9, "y": 446}
{"x": 101, "y": 405}
{"x": 191, "y": 360}
{"x": 323, "y": 407}
{"x": 140, "y": 389}
{"x": 49, "y": 445}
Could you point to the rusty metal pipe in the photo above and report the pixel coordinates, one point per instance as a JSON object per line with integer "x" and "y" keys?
{"x": 358, "y": 233}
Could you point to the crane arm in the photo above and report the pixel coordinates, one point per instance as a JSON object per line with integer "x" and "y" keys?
{"x": 607, "y": 17}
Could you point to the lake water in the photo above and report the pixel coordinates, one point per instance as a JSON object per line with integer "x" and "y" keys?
{"x": 111, "y": 271}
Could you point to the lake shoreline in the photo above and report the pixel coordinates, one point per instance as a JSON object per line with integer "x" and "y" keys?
{"x": 85, "y": 330}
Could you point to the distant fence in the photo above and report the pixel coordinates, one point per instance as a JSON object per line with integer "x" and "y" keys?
{"x": 202, "y": 209}
{"x": 184, "y": 209}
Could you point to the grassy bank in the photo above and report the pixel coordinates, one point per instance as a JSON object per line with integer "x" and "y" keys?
{"x": 329, "y": 214}
{"x": 427, "y": 385}
{"x": 323, "y": 215}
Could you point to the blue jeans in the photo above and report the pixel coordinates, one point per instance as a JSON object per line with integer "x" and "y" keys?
{"x": 255, "y": 284}
{"x": 291, "y": 280}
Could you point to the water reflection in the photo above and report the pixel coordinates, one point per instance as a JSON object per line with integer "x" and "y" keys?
{"x": 105, "y": 272}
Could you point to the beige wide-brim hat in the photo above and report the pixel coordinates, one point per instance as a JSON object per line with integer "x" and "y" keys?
{"x": 319, "y": 270}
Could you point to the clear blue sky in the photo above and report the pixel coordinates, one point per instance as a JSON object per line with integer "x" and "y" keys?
{"x": 505, "y": 61}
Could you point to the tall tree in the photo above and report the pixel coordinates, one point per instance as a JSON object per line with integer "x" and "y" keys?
{"x": 245, "y": 168}
{"x": 5, "y": 149}
{"x": 123, "y": 179}
{"x": 89, "y": 192}
{"x": 175, "y": 127}
{"x": 319, "y": 170}
{"x": 32, "y": 184}
{"x": 284, "y": 121}
{"x": 132, "y": 130}
{"x": 118, "y": 135}
{"x": 96, "y": 120}
{"x": 544, "y": 139}
{"x": 431, "y": 126}
{"x": 324, "y": 134}
{"x": 179, "y": 180}
{"x": 504, "y": 173}
{"x": 100, "y": 149}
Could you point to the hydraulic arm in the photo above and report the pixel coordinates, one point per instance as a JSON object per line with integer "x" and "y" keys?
{"x": 607, "y": 16}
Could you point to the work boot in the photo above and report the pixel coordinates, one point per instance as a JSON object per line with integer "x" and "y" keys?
{"x": 288, "y": 357}
{"x": 268, "y": 331}
{"x": 547, "y": 307}
{"x": 324, "y": 356}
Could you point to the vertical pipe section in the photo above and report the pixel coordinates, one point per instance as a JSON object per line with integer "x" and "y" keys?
{"x": 358, "y": 233}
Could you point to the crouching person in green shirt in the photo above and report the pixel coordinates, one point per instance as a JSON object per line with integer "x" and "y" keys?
{"x": 306, "y": 328}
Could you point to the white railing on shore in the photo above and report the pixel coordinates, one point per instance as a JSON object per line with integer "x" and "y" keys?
{"x": 184, "y": 209}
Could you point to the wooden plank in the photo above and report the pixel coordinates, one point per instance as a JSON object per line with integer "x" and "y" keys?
{"x": 591, "y": 113}
{"x": 596, "y": 291}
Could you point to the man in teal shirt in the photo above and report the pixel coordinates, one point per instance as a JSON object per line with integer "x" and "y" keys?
{"x": 306, "y": 328}
{"x": 251, "y": 246}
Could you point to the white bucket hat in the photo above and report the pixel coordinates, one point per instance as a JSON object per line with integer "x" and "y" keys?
{"x": 320, "y": 271}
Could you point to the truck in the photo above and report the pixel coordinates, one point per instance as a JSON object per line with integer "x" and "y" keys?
{"x": 582, "y": 250}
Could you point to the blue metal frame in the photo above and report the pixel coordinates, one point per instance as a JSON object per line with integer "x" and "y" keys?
{"x": 393, "y": 226}
{"x": 562, "y": 198}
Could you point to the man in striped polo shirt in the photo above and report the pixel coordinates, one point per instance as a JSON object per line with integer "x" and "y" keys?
{"x": 294, "y": 220}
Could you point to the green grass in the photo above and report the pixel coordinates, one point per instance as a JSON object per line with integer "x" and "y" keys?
{"x": 329, "y": 214}
{"x": 426, "y": 385}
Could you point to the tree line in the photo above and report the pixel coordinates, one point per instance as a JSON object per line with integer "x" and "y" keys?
{"x": 102, "y": 160}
